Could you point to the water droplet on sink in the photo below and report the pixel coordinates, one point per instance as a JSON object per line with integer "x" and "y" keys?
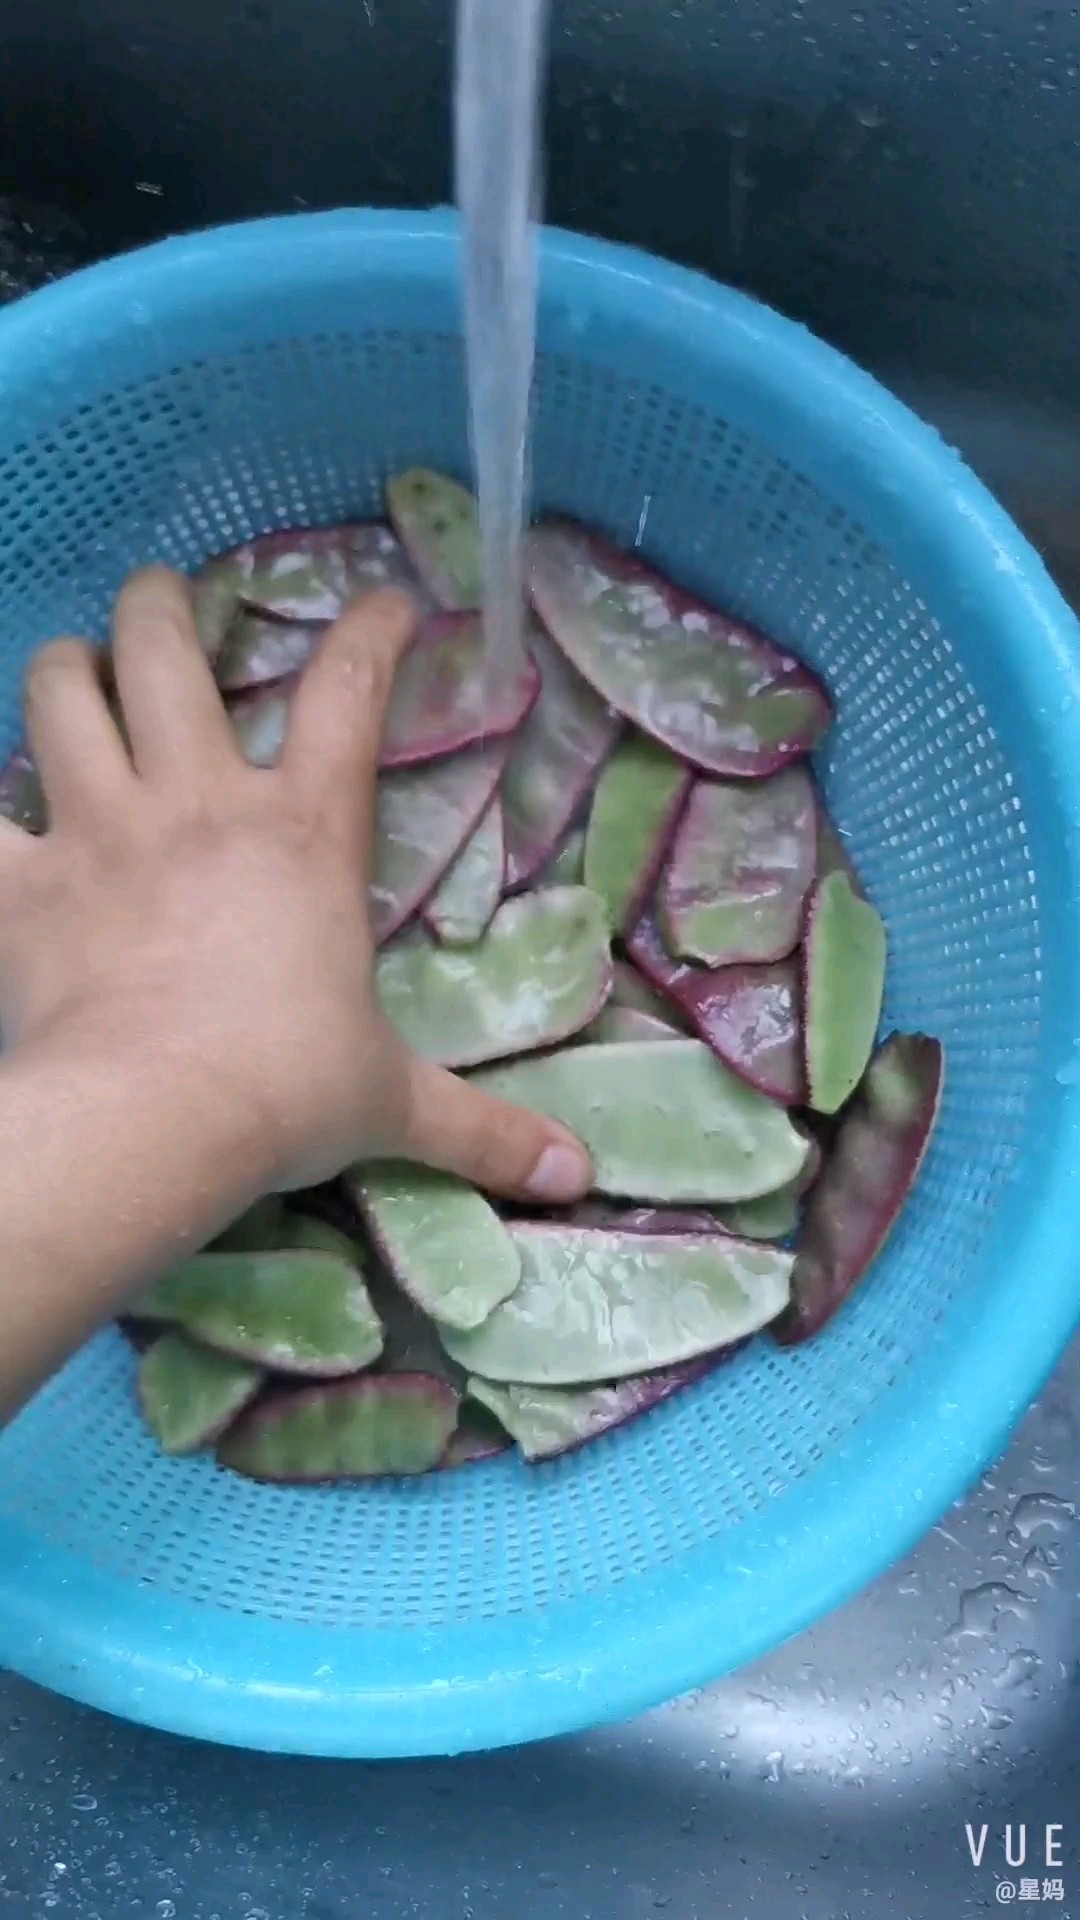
{"x": 982, "y": 1607}
{"x": 1035, "y": 1510}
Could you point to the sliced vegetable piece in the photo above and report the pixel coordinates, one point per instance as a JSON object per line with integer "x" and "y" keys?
{"x": 844, "y": 985}
{"x": 463, "y": 905}
{"x": 446, "y": 697}
{"x": 677, "y": 1220}
{"x": 299, "y": 1230}
{"x": 189, "y": 1394}
{"x": 715, "y": 691}
{"x": 259, "y": 1230}
{"x": 638, "y": 800}
{"x": 548, "y": 1421}
{"x": 741, "y": 863}
{"x": 435, "y": 520}
{"x": 663, "y": 1120}
{"x": 22, "y": 797}
{"x": 425, "y": 816}
{"x": 749, "y": 1015}
{"x": 398, "y": 1423}
{"x": 297, "y": 1312}
{"x": 879, "y": 1148}
{"x": 617, "y": 1024}
{"x": 412, "y": 1338}
{"x": 257, "y": 651}
{"x": 448, "y": 694}
{"x": 775, "y": 1216}
{"x": 307, "y": 574}
{"x": 479, "y": 1436}
{"x": 566, "y": 868}
{"x": 541, "y": 972}
{"x": 553, "y": 767}
{"x": 631, "y": 989}
{"x": 596, "y": 1305}
{"x": 445, "y": 1246}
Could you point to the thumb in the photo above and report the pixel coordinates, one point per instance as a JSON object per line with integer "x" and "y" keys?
{"x": 452, "y": 1125}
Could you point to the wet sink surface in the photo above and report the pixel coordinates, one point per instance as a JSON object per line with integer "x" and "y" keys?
{"x": 834, "y": 1779}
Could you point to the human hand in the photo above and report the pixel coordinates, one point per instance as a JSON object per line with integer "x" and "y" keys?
{"x": 206, "y": 921}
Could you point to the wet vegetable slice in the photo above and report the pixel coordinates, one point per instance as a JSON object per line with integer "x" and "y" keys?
{"x": 257, "y": 651}
{"x": 189, "y": 1394}
{"x": 545, "y": 1422}
{"x": 716, "y": 692}
{"x": 479, "y": 1436}
{"x": 875, "y": 1160}
{"x": 844, "y": 983}
{"x": 308, "y": 574}
{"x": 297, "y": 1312}
{"x": 22, "y": 797}
{"x": 435, "y": 520}
{"x": 553, "y": 767}
{"x": 639, "y": 797}
{"x": 596, "y": 1305}
{"x": 425, "y": 816}
{"x": 742, "y": 860}
{"x": 566, "y": 868}
{"x": 775, "y": 1216}
{"x": 398, "y": 1423}
{"x": 463, "y": 905}
{"x": 541, "y": 972}
{"x": 749, "y": 1015}
{"x": 618, "y": 1024}
{"x": 303, "y": 1230}
{"x": 663, "y": 1120}
{"x": 446, "y": 1247}
{"x": 630, "y": 989}
{"x": 446, "y": 697}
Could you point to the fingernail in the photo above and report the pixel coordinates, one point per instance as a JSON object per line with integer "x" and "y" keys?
{"x": 561, "y": 1174}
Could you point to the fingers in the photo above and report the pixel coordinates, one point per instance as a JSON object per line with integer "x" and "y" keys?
{"x": 335, "y": 726}
{"x": 522, "y": 1156}
{"x": 173, "y": 712}
{"x": 80, "y": 756}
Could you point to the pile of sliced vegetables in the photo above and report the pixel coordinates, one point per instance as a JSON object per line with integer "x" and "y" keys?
{"x": 606, "y": 885}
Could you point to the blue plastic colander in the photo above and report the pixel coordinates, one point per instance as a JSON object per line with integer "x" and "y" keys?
{"x": 171, "y": 403}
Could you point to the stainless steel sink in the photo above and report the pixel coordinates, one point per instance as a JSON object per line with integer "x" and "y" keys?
{"x": 904, "y": 174}
{"x": 837, "y": 1779}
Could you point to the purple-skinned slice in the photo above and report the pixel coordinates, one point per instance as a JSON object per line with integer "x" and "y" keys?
{"x": 715, "y": 691}
{"x": 463, "y": 905}
{"x": 556, "y": 759}
{"x": 749, "y": 1015}
{"x": 741, "y": 861}
{"x": 869, "y": 1172}
{"x": 361, "y": 1429}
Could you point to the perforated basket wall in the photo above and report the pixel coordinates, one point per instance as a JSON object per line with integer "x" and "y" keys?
{"x": 167, "y": 406}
